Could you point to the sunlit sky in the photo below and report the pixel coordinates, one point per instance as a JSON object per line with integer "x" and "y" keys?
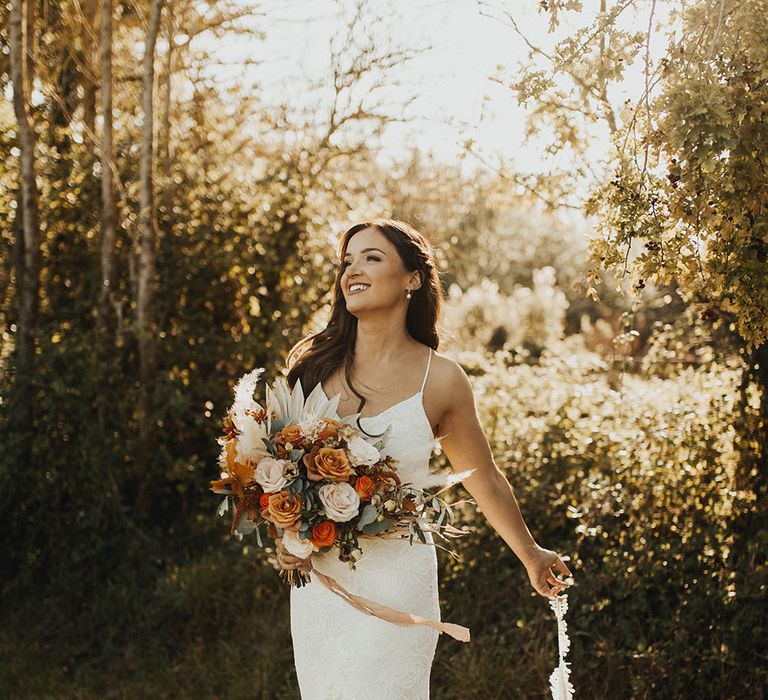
{"x": 455, "y": 99}
{"x": 465, "y": 42}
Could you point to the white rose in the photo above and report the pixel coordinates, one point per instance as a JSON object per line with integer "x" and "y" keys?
{"x": 340, "y": 500}
{"x": 296, "y": 546}
{"x": 271, "y": 474}
{"x": 362, "y": 452}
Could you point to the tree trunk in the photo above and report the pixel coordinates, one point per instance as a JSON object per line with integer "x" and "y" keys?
{"x": 30, "y": 48}
{"x": 17, "y": 258}
{"x": 108, "y": 234}
{"x": 29, "y": 281}
{"x": 88, "y": 76}
{"x": 164, "y": 147}
{"x": 145, "y": 325}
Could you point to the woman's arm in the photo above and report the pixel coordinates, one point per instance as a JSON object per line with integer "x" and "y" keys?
{"x": 467, "y": 447}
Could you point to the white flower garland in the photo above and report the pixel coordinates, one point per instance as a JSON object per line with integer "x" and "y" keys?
{"x": 558, "y": 681}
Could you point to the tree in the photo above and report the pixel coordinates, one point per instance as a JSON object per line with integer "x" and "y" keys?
{"x": 108, "y": 233}
{"x": 690, "y": 181}
{"x": 147, "y": 242}
{"x": 685, "y": 176}
{"x": 28, "y": 274}
{"x": 566, "y": 89}
{"x": 697, "y": 201}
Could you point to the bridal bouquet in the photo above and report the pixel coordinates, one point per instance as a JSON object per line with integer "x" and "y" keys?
{"x": 320, "y": 484}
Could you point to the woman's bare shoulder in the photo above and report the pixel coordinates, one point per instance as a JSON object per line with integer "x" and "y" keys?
{"x": 453, "y": 400}
{"x": 449, "y": 381}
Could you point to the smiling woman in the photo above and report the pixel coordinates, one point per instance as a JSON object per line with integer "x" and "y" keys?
{"x": 378, "y": 348}
{"x": 387, "y": 287}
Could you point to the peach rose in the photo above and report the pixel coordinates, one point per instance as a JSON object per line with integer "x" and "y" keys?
{"x": 284, "y": 508}
{"x": 361, "y": 452}
{"x": 365, "y": 486}
{"x": 273, "y": 475}
{"x": 340, "y": 501}
{"x": 296, "y": 546}
{"x": 327, "y": 463}
{"x": 324, "y": 533}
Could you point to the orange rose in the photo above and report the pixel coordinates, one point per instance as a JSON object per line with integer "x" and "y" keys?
{"x": 327, "y": 463}
{"x": 330, "y": 430}
{"x": 284, "y": 508}
{"x": 264, "y": 500}
{"x": 290, "y": 433}
{"x": 324, "y": 533}
{"x": 365, "y": 486}
{"x": 309, "y": 463}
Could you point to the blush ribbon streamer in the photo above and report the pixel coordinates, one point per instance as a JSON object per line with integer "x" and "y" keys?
{"x": 383, "y": 612}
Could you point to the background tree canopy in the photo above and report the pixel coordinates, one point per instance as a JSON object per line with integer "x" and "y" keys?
{"x": 167, "y": 233}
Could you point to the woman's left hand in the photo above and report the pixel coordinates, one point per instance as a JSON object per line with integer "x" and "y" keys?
{"x": 538, "y": 563}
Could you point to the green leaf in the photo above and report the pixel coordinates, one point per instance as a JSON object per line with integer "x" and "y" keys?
{"x": 245, "y": 526}
{"x": 368, "y": 515}
{"x": 378, "y": 526}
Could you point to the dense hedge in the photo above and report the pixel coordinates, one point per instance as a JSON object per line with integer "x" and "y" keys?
{"x": 632, "y": 477}
{"x": 636, "y": 480}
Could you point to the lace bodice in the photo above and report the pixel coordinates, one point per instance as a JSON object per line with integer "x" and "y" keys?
{"x": 410, "y": 439}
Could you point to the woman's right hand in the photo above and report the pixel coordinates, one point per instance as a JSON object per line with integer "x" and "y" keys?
{"x": 288, "y": 561}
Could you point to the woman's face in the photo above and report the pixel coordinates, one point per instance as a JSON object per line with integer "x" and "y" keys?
{"x": 371, "y": 260}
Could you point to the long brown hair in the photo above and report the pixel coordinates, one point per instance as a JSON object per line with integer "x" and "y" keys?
{"x": 316, "y": 357}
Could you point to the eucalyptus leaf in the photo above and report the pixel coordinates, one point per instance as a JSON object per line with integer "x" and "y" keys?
{"x": 245, "y": 526}
{"x": 378, "y": 526}
{"x": 278, "y": 424}
{"x": 368, "y": 515}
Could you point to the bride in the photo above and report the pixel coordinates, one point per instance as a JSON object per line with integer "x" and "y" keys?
{"x": 377, "y": 349}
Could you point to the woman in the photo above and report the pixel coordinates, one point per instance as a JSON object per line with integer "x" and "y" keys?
{"x": 376, "y": 351}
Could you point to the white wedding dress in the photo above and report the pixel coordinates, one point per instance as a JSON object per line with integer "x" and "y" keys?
{"x": 341, "y": 653}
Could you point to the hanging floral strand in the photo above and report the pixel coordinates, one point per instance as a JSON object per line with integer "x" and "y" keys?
{"x": 558, "y": 681}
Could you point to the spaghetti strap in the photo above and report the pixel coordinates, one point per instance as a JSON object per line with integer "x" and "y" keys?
{"x": 426, "y": 374}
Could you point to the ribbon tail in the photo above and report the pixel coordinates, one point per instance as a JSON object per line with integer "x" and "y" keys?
{"x": 370, "y": 607}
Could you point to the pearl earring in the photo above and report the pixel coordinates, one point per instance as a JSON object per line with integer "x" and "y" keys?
{"x": 408, "y": 295}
